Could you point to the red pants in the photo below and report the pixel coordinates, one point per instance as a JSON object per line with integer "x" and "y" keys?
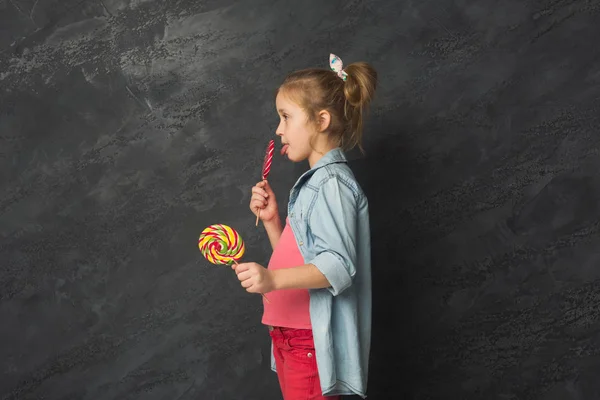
{"x": 296, "y": 364}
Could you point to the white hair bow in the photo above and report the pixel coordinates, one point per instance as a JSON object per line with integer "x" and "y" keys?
{"x": 337, "y": 65}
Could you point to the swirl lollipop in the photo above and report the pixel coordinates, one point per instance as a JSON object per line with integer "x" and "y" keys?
{"x": 221, "y": 244}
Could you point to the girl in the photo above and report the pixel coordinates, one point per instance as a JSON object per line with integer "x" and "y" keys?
{"x": 319, "y": 275}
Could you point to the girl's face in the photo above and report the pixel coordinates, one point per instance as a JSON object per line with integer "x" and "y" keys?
{"x": 295, "y": 131}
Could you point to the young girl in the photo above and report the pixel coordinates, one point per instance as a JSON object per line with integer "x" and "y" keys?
{"x": 319, "y": 275}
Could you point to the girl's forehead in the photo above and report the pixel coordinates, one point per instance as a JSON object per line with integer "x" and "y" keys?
{"x": 283, "y": 101}
{"x": 285, "y": 104}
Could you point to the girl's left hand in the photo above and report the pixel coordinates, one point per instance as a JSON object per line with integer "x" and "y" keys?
{"x": 254, "y": 277}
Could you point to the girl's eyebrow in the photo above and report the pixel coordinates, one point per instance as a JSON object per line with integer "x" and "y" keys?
{"x": 281, "y": 110}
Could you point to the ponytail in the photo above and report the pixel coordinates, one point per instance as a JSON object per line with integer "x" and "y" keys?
{"x": 359, "y": 90}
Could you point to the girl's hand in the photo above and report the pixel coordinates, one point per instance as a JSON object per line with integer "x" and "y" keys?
{"x": 263, "y": 199}
{"x": 254, "y": 277}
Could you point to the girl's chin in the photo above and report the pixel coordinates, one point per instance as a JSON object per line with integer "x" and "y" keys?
{"x": 287, "y": 154}
{"x": 293, "y": 157}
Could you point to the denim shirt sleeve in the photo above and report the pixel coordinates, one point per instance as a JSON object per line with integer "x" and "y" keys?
{"x": 333, "y": 228}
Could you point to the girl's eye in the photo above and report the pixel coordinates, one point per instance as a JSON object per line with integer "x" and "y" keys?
{"x": 285, "y": 117}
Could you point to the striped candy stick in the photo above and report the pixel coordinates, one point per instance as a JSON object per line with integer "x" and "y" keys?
{"x": 267, "y": 166}
{"x": 221, "y": 244}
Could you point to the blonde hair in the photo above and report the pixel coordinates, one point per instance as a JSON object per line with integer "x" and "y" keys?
{"x": 316, "y": 89}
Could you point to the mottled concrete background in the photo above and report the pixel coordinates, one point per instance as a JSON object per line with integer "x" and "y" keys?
{"x": 127, "y": 126}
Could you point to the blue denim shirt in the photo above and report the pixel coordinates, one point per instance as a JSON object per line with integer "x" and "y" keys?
{"x": 329, "y": 215}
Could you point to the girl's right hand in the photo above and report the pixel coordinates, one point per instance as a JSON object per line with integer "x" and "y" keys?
{"x": 263, "y": 199}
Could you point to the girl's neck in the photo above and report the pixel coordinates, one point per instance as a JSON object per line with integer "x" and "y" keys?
{"x": 316, "y": 155}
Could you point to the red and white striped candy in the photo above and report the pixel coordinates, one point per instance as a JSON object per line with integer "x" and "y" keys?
{"x": 268, "y": 159}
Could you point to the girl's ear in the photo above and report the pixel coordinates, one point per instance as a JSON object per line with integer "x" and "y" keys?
{"x": 324, "y": 120}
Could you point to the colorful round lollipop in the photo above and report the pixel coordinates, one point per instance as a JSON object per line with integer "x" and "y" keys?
{"x": 221, "y": 244}
{"x": 267, "y": 166}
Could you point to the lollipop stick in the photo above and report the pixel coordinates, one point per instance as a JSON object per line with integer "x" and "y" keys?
{"x": 262, "y": 294}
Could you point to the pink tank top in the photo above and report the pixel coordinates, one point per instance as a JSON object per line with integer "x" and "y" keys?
{"x": 288, "y": 308}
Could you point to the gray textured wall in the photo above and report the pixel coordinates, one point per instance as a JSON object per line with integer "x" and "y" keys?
{"x": 126, "y": 127}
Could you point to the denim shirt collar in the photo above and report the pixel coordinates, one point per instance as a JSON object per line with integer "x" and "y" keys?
{"x": 333, "y": 156}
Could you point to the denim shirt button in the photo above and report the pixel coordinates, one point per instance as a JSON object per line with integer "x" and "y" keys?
{"x": 301, "y": 243}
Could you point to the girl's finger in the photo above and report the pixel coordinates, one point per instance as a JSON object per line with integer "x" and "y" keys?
{"x": 262, "y": 192}
{"x": 258, "y": 197}
{"x": 267, "y": 187}
{"x": 241, "y": 268}
{"x": 244, "y": 275}
{"x": 258, "y": 204}
{"x": 247, "y": 283}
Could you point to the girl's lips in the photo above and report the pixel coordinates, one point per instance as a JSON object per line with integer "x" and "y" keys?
{"x": 284, "y": 149}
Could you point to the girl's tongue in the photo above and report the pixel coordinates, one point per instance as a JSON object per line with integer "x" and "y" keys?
{"x": 284, "y": 149}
